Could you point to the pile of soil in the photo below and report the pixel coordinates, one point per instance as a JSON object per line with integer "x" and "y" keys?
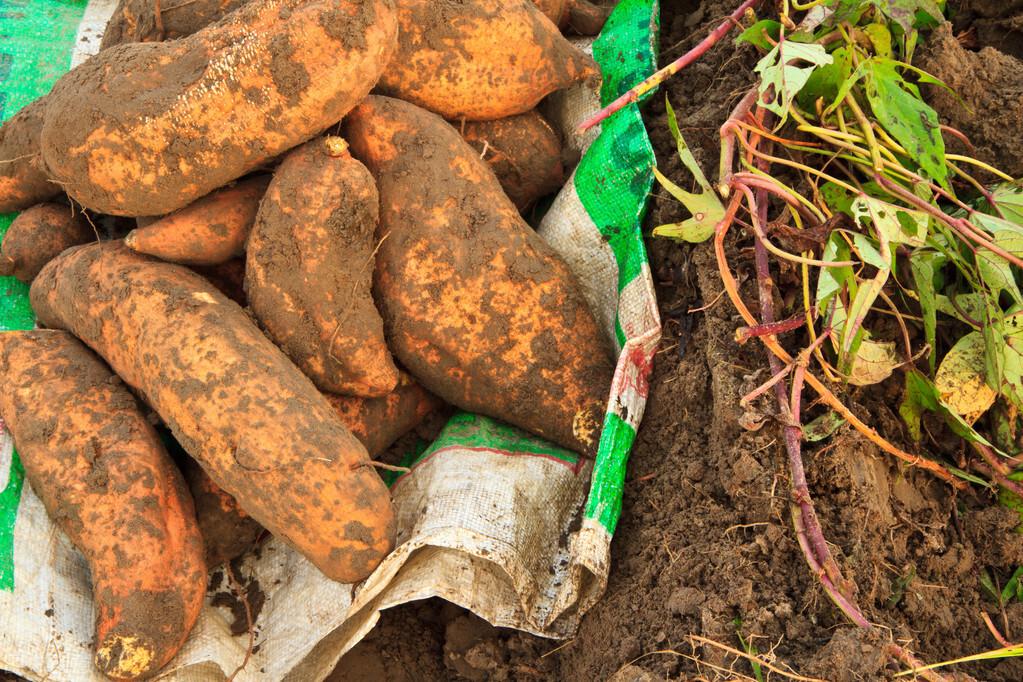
{"x": 705, "y": 545}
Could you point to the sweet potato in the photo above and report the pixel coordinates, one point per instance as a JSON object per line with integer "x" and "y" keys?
{"x": 228, "y": 278}
{"x": 480, "y": 59}
{"x": 232, "y": 399}
{"x": 377, "y": 422}
{"x": 209, "y": 231}
{"x": 167, "y": 123}
{"x": 523, "y": 151}
{"x": 309, "y": 270}
{"x": 38, "y": 235}
{"x": 144, "y": 21}
{"x": 24, "y": 180}
{"x": 107, "y": 481}
{"x": 227, "y": 530}
{"x": 475, "y": 304}
{"x": 581, "y": 16}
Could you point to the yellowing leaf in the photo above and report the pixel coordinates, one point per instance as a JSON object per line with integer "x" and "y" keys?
{"x": 961, "y": 381}
{"x": 874, "y": 362}
{"x": 780, "y": 78}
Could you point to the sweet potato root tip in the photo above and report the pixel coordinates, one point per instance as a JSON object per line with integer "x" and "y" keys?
{"x": 480, "y": 59}
{"x": 209, "y": 231}
{"x": 104, "y": 477}
{"x": 309, "y": 270}
{"x": 586, "y": 18}
{"x": 38, "y": 235}
{"x": 171, "y": 122}
{"x": 23, "y": 178}
{"x": 476, "y": 305}
{"x": 524, "y": 153}
{"x": 259, "y": 427}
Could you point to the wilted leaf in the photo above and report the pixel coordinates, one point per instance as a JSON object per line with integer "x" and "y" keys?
{"x": 968, "y": 308}
{"x": 909, "y": 13}
{"x": 922, "y": 265}
{"x": 873, "y": 362}
{"x": 961, "y": 379}
{"x": 781, "y": 79}
{"x": 1004, "y": 346}
{"x": 823, "y": 427}
{"x": 898, "y": 225}
{"x": 1009, "y": 197}
{"x": 831, "y": 279}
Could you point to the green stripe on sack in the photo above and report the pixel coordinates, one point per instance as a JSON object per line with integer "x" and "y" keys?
{"x": 613, "y": 181}
{"x": 38, "y": 38}
{"x": 605, "y": 501}
{"x": 615, "y": 175}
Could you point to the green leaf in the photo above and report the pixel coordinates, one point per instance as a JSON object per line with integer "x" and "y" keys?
{"x": 989, "y": 585}
{"x": 1012, "y": 587}
{"x": 922, "y": 266}
{"x": 906, "y": 117}
{"x": 781, "y": 80}
{"x": 920, "y": 396}
{"x": 1005, "y": 348}
{"x": 972, "y": 304}
{"x": 706, "y": 208}
{"x": 825, "y": 81}
{"x": 755, "y": 34}
{"x": 1009, "y": 198}
{"x": 831, "y": 279}
{"x": 898, "y": 225}
{"x": 846, "y": 10}
{"x": 823, "y": 427}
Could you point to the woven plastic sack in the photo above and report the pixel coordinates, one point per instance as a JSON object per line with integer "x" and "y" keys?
{"x": 512, "y": 527}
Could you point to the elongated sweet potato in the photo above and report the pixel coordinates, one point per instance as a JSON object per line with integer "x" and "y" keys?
{"x": 475, "y": 304}
{"x": 227, "y": 530}
{"x": 523, "y": 151}
{"x": 309, "y": 270}
{"x": 170, "y": 122}
{"x": 377, "y": 422}
{"x": 232, "y": 399}
{"x": 24, "y": 180}
{"x": 144, "y": 21}
{"x": 209, "y": 231}
{"x": 480, "y": 59}
{"x": 107, "y": 481}
{"x": 38, "y": 235}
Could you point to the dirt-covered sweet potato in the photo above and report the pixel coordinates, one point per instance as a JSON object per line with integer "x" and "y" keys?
{"x": 227, "y": 530}
{"x": 146, "y": 128}
{"x": 105, "y": 478}
{"x": 480, "y": 59}
{"x": 309, "y": 270}
{"x": 209, "y": 231}
{"x": 523, "y": 151}
{"x": 144, "y": 21}
{"x": 377, "y": 422}
{"x": 581, "y": 16}
{"x": 24, "y": 180}
{"x": 231, "y": 398}
{"x": 475, "y": 304}
{"x": 38, "y": 235}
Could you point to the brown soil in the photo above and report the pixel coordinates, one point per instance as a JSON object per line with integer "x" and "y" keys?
{"x": 705, "y": 538}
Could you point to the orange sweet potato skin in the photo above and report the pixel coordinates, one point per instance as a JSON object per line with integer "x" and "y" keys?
{"x": 309, "y": 270}
{"x": 480, "y": 59}
{"x": 104, "y": 477}
{"x": 476, "y": 305}
{"x": 523, "y": 151}
{"x": 23, "y": 177}
{"x": 170, "y": 122}
{"x": 377, "y": 422}
{"x": 143, "y": 21}
{"x": 38, "y": 235}
{"x": 209, "y": 231}
{"x": 233, "y": 401}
